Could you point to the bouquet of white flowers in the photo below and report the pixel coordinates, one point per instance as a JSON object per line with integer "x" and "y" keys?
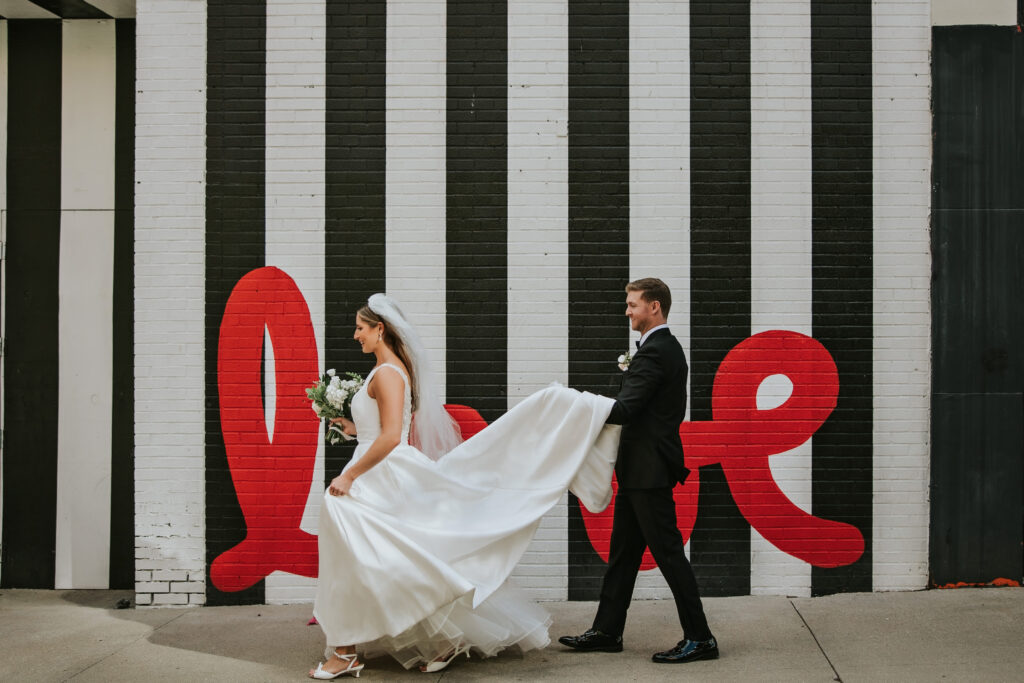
{"x": 332, "y": 397}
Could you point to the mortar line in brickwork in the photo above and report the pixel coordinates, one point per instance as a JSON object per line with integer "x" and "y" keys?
{"x": 817, "y": 642}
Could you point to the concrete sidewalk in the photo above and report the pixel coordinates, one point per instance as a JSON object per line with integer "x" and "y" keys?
{"x": 960, "y": 635}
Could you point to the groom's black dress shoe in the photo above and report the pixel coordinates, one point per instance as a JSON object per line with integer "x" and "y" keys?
{"x": 688, "y": 651}
{"x": 593, "y": 641}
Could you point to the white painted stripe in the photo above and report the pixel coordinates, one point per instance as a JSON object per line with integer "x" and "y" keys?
{"x": 780, "y": 235}
{"x": 85, "y": 285}
{"x": 952, "y": 12}
{"x": 295, "y": 199}
{"x": 415, "y": 176}
{"x": 538, "y": 220}
{"x": 84, "y": 399}
{"x": 23, "y": 9}
{"x": 538, "y": 209}
{"x": 88, "y": 114}
{"x": 170, "y": 286}
{"x": 902, "y": 306}
{"x": 659, "y": 142}
{"x": 659, "y": 172}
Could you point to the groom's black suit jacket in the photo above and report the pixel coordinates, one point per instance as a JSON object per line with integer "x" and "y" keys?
{"x": 650, "y": 405}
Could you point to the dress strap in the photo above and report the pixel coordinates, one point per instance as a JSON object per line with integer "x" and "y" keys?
{"x": 401, "y": 372}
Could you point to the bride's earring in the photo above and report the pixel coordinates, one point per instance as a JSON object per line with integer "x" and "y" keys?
{"x": 380, "y": 336}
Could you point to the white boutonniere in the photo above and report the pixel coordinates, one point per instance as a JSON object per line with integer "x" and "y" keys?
{"x": 624, "y": 361}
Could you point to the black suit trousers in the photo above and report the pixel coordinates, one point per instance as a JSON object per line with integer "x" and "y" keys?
{"x": 647, "y": 518}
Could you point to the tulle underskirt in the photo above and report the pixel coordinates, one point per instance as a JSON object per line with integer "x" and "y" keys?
{"x": 506, "y": 619}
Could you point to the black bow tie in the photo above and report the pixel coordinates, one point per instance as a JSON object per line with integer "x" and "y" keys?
{"x": 638, "y": 345}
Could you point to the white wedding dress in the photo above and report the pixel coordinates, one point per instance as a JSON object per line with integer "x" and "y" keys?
{"x": 415, "y": 559}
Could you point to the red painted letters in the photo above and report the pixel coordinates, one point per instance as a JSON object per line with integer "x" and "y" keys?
{"x": 272, "y": 479}
{"x": 741, "y": 438}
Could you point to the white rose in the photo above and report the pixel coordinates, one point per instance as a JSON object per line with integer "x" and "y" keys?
{"x": 331, "y": 372}
{"x": 335, "y": 396}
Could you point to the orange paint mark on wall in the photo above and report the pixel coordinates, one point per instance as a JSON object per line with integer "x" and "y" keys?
{"x": 993, "y": 582}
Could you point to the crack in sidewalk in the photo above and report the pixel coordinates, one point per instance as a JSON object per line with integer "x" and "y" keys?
{"x": 818, "y": 643}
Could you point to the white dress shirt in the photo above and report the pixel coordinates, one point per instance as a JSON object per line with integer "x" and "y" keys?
{"x": 649, "y": 332}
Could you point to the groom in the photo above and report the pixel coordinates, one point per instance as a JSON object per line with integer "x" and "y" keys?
{"x": 650, "y": 406}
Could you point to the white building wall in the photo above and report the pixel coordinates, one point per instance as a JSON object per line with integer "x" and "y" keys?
{"x": 170, "y": 167}
{"x": 296, "y": 84}
{"x": 780, "y": 237}
{"x": 170, "y": 227}
{"x": 902, "y": 301}
{"x": 538, "y": 249}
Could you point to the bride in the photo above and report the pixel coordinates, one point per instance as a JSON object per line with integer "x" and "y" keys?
{"x": 415, "y": 548}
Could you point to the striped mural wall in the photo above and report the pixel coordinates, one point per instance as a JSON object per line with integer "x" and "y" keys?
{"x": 68, "y": 483}
{"x": 502, "y": 169}
{"x": 504, "y": 187}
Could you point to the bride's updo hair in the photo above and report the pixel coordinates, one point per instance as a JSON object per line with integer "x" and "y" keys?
{"x": 394, "y": 343}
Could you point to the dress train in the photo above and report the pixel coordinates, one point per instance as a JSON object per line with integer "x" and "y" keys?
{"x": 415, "y": 560}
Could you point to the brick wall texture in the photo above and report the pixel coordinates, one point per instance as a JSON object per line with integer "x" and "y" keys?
{"x": 503, "y": 169}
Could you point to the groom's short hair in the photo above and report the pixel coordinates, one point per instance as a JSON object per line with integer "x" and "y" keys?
{"x": 652, "y": 289}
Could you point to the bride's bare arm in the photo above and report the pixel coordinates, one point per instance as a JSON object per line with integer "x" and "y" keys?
{"x": 388, "y": 388}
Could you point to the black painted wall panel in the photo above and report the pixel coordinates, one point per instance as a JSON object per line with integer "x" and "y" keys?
{"x": 72, "y": 9}
{"x": 122, "y": 452}
{"x": 977, "y": 289}
{"x": 976, "y": 490}
{"x": 977, "y": 473}
{"x": 31, "y": 346}
{"x": 978, "y": 110}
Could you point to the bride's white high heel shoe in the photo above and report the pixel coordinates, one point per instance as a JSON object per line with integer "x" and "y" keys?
{"x": 441, "y": 664}
{"x": 350, "y": 660}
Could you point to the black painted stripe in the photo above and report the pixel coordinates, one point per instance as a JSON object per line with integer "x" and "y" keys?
{"x": 977, "y": 421}
{"x": 355, "y": 241}
{"x": 477, "y": 206}
{"x": 122, "y": 465}
{"x": 598, "y": 225}
{"x": 235, "y": 231}
{"x": 720, "y": 263}
{"x": 71, "y": 9}
{"x": 32, "y": 262}
{"x": 841, "y": 159}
